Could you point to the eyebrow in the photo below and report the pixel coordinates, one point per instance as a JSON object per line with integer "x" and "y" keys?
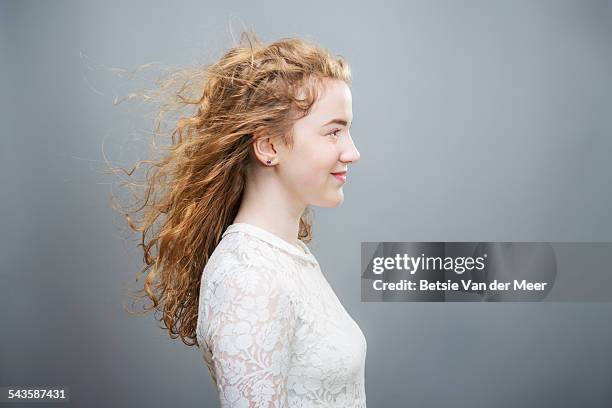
{"x": 338, "y": 121}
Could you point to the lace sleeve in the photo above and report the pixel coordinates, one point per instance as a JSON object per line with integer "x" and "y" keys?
{"x": 252, "y": 324}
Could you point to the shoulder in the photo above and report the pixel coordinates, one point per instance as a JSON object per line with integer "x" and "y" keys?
{"x": 238, "y": 255}
{"x": 239, "y": 259}
{"x": 239, "y": 286}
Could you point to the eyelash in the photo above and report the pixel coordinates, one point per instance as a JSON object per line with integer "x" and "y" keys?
{"x": 334, "y": 132}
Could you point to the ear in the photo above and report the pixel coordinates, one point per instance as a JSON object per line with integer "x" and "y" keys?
{"x": 264, "y": 147}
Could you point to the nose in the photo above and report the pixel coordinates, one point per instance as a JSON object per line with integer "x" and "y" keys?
{"x": 349, "y": 151}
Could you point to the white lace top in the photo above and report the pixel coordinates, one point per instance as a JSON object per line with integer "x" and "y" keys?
{"x": 271, "y": 329}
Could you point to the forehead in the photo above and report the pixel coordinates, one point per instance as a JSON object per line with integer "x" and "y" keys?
{"x": 334, "y": 101}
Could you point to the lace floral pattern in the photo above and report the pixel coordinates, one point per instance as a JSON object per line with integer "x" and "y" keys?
{"x": 271, "y": 329}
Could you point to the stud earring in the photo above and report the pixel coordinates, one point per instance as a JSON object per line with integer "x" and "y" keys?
{"x": 269, "y": 162}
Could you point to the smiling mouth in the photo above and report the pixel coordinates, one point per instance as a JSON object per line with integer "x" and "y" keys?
{"x": 340, "y": 176}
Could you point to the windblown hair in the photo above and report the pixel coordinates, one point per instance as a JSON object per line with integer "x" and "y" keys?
{"x": 193, "y": 190}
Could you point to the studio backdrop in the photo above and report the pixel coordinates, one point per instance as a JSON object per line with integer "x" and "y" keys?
{"x": 477, "y": 122}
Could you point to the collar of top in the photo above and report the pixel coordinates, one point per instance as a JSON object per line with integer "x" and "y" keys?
{"x": 302, "y": 251}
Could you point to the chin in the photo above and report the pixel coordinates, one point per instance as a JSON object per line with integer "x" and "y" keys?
{"x": 335, "y": 201}
{"x": 331, "y": 200}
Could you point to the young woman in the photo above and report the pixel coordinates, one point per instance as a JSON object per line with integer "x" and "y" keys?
{"x": 270, "y": 137}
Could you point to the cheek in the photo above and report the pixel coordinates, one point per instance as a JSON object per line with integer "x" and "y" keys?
{"x": 317, "y": 170}
{"x": 310, "y": 165}
{"x": 315, "y": 177}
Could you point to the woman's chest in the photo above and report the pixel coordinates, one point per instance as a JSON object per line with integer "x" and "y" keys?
{"x": 327, "y": 340}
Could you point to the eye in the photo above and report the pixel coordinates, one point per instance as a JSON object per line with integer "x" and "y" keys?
{"x": 334, "y": 132}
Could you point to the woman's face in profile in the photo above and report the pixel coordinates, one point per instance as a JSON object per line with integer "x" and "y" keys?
{"x": 322, "y": 146}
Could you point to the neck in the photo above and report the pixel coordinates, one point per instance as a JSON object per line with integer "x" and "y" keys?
{"x": 266, "y": 204}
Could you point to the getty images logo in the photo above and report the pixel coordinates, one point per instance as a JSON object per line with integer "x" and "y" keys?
{"x": 412, "y": 264}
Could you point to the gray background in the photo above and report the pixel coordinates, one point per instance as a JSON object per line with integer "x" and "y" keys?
{"x": 476, "y": 121}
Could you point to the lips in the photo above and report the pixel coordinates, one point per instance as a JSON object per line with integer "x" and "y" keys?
{"x": 341, "y": 175}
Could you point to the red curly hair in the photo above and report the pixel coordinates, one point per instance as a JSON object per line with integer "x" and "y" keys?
{"x": 193, "y": 190}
